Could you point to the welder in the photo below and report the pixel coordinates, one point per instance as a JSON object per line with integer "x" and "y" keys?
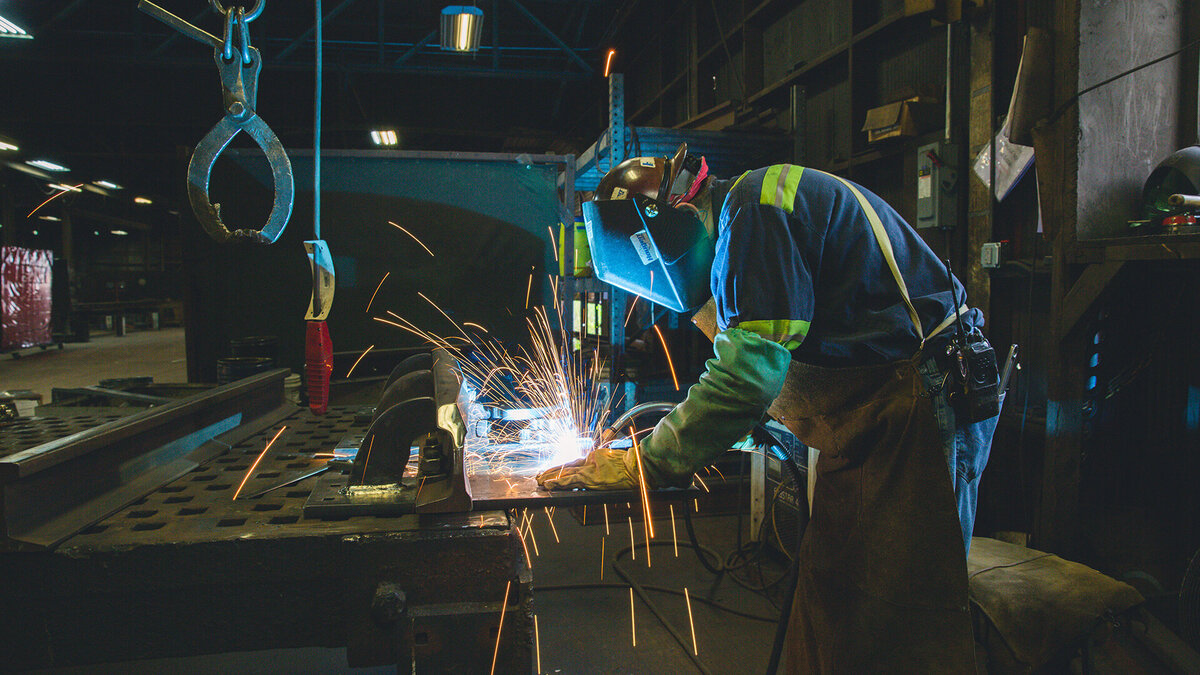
{"x": 813, "y": 273}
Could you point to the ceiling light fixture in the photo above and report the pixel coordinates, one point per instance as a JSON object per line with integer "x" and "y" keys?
{"x": 145, "y": 201}
{"x": 8, "y": 146}
{"x": 384, "y": 137}
{"x": 119, "y": 233}
{"x": 8, "y": 29}
{"x": 66, "y": 188}
{"x": 53, "y": 219}
{"x": 47, "y": 165}
{"x": 461, "y": 27}
{"x": 108, "y": 184}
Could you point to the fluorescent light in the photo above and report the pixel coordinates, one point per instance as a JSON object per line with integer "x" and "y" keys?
{"x": 142, "y": 200}
{"x": 119, "y": 233}
{"x": 608, "y": 61}
{"x": 8, "y": 29}
{"x": 47, "y": 165}
{"x": 460, "y": 28}
{"x": 9, "y": 147}
{"x": 383, "y": 137}
{"x": 53, "y": 219}
{"x": 108, "y": 184}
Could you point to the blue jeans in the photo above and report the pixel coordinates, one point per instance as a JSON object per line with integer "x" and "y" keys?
{"x": 966, "y": 447}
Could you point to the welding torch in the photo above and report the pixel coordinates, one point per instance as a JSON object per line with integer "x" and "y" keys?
{"x": 620, "y": 424}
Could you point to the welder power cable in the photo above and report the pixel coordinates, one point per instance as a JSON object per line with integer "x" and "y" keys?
{"x": 1071, "y": 101}
{"x": 317, "y": 129}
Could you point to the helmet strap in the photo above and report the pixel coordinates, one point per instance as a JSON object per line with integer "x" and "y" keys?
{"x": 695, "y": 186}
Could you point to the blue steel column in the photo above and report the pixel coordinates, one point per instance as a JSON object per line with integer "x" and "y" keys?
{"x": 618, "y": 302}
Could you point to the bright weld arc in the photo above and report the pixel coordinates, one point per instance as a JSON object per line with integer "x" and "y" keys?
{"x": 667, "y": 351}
{"x": 356, "y": 361}
{"x": 500, "y": 629}
{"x": 372, "y": 300}
{"x": 414, "y": 238}
{"x": 692, "y": 624}
{"x": 256, "y": 461}
{"x": 52, "y": 198}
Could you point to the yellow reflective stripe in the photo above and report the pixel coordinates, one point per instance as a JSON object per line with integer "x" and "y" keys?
{"x": 739, "y": 179}
{"x": 787, "y": 332}
{"x": 767, "y": 195}
{"x": 779, "y": 186}
{"x": 788, "y": 182}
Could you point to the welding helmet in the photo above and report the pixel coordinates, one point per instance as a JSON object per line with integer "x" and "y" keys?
{"x": 643, "y": 244}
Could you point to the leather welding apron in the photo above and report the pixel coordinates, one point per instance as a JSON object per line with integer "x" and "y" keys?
{"x": 882, "y": 582}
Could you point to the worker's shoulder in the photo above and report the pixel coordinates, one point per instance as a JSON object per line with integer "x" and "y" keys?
{"x": 763, "y": 185}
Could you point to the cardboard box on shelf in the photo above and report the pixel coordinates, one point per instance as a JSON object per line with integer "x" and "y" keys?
{"x": 909, "y": 117}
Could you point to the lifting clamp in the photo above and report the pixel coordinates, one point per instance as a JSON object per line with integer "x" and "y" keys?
{"x": 239, "y": 69}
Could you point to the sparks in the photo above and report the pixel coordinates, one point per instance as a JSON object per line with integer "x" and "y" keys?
{"x": 370, "y": 444}
{"x": 631, "y": 306}
{"x": 637, "y": 453}
{"x": 553, "y": 529}
{"x": 632, "y": 620}
{"x": 426, "y": 299}
{"x": 674, "y": 537}
{"x": 667, "y": 351}
{"x": 360, "y": 358}
{"x": 385, "y": 276}
{"x": 697, "y": 502}
{"x": 475, "y": 325}
{"x": 602, "y": 558}
{"x": 702, "y": 483}
{"x": 632, "y": 542}
{"x": 537, "y": 644}
{"x": 687, "y": 598}
{"x": 64, "y": 190}
{"x": 528, "y": 288}
{"x": 553, "y": 245}
{"x": 500, "y": 629}
{"x": 528, "y": 561}
{"x": 256, "y": 461}
{"x": 606, "y": 519}
{"x": 414, "y": 238}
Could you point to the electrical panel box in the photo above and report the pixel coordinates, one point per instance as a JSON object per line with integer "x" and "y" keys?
{"x": 937, "y": 186}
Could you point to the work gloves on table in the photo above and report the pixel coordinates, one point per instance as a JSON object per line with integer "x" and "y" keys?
{"x": 733, "y": 393}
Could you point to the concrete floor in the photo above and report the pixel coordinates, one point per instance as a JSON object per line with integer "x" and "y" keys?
{"x": 581, "y": 630}
{"x": 158, "y": 354}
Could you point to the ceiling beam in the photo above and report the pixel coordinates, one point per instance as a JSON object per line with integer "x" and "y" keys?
{"x": 329, "y": 16}
{"x": 553, "y": 37}
{"x": 62, "y": 14}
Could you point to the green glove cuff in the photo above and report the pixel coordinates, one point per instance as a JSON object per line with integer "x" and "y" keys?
{"x": 730, "y": 398}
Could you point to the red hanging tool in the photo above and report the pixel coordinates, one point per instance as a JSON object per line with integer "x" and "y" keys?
{"x": 318, "y": 350}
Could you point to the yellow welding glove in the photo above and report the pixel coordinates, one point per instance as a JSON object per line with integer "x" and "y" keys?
{"x": 731, "y": 397}
{"x": 602, "y": 469}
